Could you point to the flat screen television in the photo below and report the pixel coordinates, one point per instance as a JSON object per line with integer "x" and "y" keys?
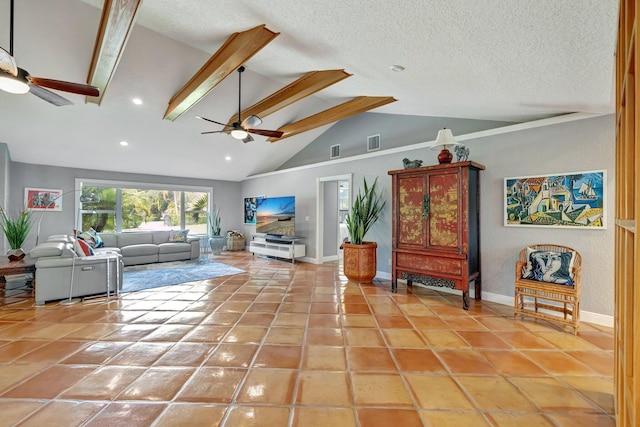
{"x": 276, "y": 216}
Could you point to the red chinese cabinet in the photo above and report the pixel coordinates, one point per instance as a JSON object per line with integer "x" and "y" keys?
{"x": 436, "y": 227}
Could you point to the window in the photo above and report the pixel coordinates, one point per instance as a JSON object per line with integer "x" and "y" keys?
{"x": 132, "y": 207}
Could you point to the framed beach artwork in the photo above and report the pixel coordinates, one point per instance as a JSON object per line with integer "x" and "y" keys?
{"x": 43, "y": 199}
{"x": 574, "y": 200}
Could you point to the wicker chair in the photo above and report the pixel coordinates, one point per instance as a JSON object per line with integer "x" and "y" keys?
{"x": 538, "y": 299}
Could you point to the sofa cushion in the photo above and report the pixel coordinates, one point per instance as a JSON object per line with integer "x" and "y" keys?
{"x": 161, "y": 236}
{"x": 109, "y": 239}
{"x": 126, "y": 239}
{"x": 102, "y": 251}
{"x": 178, "y": 236}
{"x": 60, "y": 238}
{"x": 139, "y": 250}
{"x": 172, "y": 248}
{"x": 47, "y": 249}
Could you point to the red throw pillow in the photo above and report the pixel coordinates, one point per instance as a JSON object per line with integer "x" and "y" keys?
{"x": 83, "y": 248}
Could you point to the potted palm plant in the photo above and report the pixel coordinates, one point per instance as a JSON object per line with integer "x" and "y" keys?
{"x": 15, "y": 230}
{"x": 216, "y": 241}
{"x": 360, "y": 256}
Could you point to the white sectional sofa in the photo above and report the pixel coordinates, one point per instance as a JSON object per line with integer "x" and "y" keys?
{"x": 60, "y": 273}
{"x": 148, "y": 247}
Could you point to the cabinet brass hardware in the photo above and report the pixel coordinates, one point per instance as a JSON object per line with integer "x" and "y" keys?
{"x": 425, "y": 206}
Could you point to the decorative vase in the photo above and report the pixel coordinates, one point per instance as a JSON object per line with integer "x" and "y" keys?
{"x": 360, "y": 261}
{"x": 445, "y": 156}
{"x": 15, "y": 254}
{"x": 217, "y": 243}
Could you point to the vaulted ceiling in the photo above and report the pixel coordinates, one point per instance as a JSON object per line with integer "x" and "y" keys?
{"x": 312, "y": 63}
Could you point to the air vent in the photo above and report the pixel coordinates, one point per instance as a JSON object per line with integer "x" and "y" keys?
{"x": 334, "y": 151}
{"x": 373, "y": 142}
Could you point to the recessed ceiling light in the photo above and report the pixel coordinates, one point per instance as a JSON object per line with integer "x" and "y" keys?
{"x": 124, "y": 143}
{"x": 137, "y": 101}
{"x": 227, "y": 158}
{"x": 397, "y": 68}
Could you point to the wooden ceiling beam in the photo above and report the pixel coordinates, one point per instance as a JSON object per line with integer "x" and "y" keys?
{"x": 116, "y": 23}
{"x": 306, "y": 85}
{"x": 237, "y": 50}
{"x": 339, "y": 112}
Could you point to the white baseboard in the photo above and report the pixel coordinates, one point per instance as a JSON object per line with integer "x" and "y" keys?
{"x": 383, "y": 275}
{"x": 330, "y": 258}
{"x": 585, "y": 316}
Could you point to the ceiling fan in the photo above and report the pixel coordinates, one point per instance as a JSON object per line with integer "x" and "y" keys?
{"x": 17, "y": 80}
{"x": 242, "y": 129}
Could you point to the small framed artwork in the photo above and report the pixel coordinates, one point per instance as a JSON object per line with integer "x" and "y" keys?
{"x": 43, "y": 199}
{"x": 250, "y": 205}
{"x": 574, "y": 200}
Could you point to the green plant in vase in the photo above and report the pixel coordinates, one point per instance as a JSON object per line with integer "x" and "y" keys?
{"x": 364, "y": 212}
{"x": 16, "y": 231}
{"x": 216, "y": 241}
{"x": 359, "y": 256}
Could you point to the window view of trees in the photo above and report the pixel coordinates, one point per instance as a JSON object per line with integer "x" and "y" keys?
{"x": 133, "y": 209}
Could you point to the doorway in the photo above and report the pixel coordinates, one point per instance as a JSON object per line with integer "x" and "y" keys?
{"x": 333, "y": 198}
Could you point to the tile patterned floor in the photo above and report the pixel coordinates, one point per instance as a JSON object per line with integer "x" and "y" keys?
{"x": 295, "y": 345}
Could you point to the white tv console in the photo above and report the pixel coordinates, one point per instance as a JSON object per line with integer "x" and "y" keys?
{"x": 277, "y": 246}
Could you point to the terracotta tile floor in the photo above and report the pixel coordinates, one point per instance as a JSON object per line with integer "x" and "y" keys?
{"x": 295, "y": 345}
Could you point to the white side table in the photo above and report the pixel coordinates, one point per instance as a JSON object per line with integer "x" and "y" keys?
{"x": 204, "y": 245}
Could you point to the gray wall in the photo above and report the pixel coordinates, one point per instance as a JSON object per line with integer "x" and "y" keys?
{"x": 395, "y": 131}
{"x": 226, "y": 194}
{"x": 581, "y": 145}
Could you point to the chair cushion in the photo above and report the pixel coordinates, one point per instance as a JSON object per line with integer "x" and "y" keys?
{"x": 551, "y": 267}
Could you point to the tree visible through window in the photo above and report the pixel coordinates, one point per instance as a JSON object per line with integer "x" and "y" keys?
{"x": 135, "y": 209}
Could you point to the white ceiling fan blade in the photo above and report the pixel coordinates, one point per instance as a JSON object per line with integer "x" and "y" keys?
{"x": 7, "y": 63}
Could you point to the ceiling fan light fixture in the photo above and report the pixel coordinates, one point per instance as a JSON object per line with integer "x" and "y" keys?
{"x": 239, "y": 133}
{"x": 14, "y": 84}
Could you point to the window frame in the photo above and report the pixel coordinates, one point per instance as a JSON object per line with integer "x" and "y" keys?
{"x": 119, "y": 185}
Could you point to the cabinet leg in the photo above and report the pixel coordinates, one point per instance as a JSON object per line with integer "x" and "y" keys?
{"x": 478, "y": 287}
{"x": 394, "y": 286}
{"x": 465, "y": 300}
{"x": 409, "y": 283}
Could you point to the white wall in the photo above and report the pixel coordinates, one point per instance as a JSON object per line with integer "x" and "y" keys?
{"x": 572, "y": 146}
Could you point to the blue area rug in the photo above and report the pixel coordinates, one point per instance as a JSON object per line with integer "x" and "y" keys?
{"x": 139, "y": 277}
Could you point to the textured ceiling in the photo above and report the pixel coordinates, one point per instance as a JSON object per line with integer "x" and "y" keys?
{"x": 509, "y": 60}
